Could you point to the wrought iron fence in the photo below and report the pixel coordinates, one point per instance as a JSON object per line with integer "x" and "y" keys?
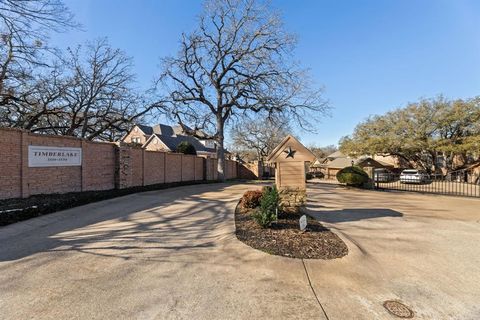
{"x": 458, "y": 183}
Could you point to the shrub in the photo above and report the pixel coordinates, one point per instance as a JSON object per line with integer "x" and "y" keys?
{"x": 352, "y": 176}
{"x": 186, "y": 147}
{"x": 309, "y": 176}
{"x": 268, "y": 206}
{"x": 251, "y": 199}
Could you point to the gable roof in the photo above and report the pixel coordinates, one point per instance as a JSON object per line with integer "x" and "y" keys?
{"x": 318, "y": 163}
{"x": 146, "y": 129}
{"x": 172, "y": 142}
{"x": 343, "y": 162}
{"x": 166, "y": 130}
{"x": 336, "y": 154}
{"x": 290, "y": 141}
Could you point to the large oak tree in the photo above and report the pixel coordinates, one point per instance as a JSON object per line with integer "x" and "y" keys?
{"x": 239, "y": 60}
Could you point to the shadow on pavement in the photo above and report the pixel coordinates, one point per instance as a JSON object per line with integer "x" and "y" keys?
{"x": 344, "y": 215}
{"x": 125, "y": 227}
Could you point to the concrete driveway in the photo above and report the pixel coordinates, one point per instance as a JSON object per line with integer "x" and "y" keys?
{"x": 423, "y": 250}
{"x": 168, "y": 254}
{"x": 172, "y": 254}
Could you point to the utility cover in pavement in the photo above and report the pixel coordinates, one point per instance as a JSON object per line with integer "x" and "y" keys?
{"x": 398, "y": 309}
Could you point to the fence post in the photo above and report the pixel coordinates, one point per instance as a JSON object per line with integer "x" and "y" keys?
{"x": 371, "y": 183}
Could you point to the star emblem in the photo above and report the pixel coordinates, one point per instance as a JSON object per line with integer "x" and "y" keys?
{"x": 290, "y": 152}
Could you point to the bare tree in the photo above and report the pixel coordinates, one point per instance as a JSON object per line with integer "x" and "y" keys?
{"x": 100, "y": 100}
{"x": 238, "y": 61}
{"x": 322, "y": 152}
{"x": 39, "y": 100}
{"x": 24, "y": 30}
{"x": 89, "y": 94}
{"x": 259, "y": 135}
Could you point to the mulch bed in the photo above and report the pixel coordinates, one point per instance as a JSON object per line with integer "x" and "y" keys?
{"x": 284, "y": 237}
{"x": 14, "y": 210}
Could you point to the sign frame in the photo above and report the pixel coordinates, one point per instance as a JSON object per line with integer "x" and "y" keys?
{"x": 48, "y": 156}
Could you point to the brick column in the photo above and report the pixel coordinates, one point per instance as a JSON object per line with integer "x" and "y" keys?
{"x": 143, "y": 167}
{"x": 208, "y": 169}
{"x": 83, "y": 175}
{"x": 181, "y": 167}
{"x": 194, "y": 169}
{"x": 24, "y": 171}
{"x": 164, "y": 167}
{"x": 123, "y": 168}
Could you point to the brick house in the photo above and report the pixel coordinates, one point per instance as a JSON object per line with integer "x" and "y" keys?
{"x": 336, "y": 161}
{"x": 166, "y": 138}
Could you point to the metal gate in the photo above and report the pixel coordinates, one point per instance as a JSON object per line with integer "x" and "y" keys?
{"x": 458, "y": 183}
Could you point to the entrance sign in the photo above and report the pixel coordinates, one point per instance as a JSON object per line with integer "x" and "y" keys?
{"x": 291, "y": 160}
{"x": 41, "y": 156}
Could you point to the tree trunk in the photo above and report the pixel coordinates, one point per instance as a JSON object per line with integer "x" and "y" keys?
{"x": 220, "y": 149}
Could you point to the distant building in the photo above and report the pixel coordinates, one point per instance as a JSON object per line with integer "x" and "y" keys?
{"x": 336, "y": 161}
{"x": 166, "y": 138}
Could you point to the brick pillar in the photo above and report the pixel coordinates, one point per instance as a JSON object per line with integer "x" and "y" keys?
{"x": 181, "y": 167}
{"x": 208, "y": 169}
{"x": 123, "y": 167}
{"x": 83, "y": 175}
{"x": 195, "y": 168}
{"x": 24, "y": 172}
{"x": 164, "y": 167}
{"x": 143, "y": 167}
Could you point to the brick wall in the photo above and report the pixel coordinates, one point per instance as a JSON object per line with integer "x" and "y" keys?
{"x": 255, "y": 170}
{"x": 154, "y": 167}
{"x": 10, "y": 164}
{"x": 104, "y": 166}
{"x": 98, "y": 167}
{"x": 199, "y": 168}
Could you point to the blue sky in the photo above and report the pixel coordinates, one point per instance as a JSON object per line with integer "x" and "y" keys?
{"x": 371, "y": 56}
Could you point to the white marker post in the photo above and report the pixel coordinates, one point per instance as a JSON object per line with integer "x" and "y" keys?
{"x": 303, "y": 222}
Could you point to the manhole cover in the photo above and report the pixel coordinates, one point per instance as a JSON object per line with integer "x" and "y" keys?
{"x": 398, "y": 309}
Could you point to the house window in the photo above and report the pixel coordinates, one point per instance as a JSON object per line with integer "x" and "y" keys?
{"x": 136, "y": 139}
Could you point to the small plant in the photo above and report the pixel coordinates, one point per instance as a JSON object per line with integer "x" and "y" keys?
{"x": 251, "y": 199}
{"x": 308, "y": 176}
{"x": 352, "y": 176}
{"x": 268, "y": 206}
{"x": 186, "y": 147}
